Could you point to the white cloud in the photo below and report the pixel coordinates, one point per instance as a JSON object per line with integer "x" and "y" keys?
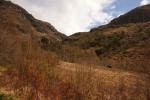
{"x": 145, "y": 2}
{"x": 69, "y": 16}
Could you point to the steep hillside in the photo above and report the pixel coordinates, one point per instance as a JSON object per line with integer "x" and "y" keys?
{"x": 111, "y": 39}
{"x": 118, "y": 37}
{"x": 136, "y": 58}
{"x": 17, "y": 27}
{"x": 133, "y": 22}
{"x": 15, "y": 19}
{"x": 138, "y": 15}
{"x": 39, "y": 63}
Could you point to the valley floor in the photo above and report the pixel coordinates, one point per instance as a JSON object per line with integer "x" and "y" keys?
{"x": 101, "y": 82}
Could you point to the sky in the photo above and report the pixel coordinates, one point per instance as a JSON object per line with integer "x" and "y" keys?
{"x": 71, "y": 16}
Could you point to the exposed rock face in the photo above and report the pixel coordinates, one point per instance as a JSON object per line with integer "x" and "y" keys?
{"x": 138, "y": 15}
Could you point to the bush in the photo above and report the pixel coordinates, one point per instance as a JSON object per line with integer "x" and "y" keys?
{"x": 6, "y": 97}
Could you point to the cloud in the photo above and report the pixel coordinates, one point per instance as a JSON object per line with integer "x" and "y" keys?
{"x": 69, "y": 16}
{"x": 145, "y": 2}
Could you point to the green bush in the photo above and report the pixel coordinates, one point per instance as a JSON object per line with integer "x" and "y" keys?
{"x": 6, "y": 97}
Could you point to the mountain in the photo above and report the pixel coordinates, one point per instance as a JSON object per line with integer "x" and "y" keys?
{"x": 119, "y": 30}
{"x": 18, "y": 20}
{"x": 137, "y": 15}
{"x": 39, "y": 63}
{"x": 126, "y": 37}
{"x": 119, "y": 39}
{"x": 17, "y": 27}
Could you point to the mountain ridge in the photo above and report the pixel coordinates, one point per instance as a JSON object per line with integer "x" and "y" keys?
{"x": 18, "y": 27}
{"x": 113, "y": 42}
{"x": 137, "y": 15}
{"x": 24, "y": 21}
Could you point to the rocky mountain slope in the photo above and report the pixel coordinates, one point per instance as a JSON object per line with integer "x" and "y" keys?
{"x": 15, "y": 19}
{"x": 17, "y": 27}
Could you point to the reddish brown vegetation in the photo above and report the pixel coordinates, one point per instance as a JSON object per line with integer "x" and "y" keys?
{"x": 34, "y": 77}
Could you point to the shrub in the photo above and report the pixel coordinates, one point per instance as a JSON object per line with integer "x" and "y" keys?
{"x": 6, "y": 97}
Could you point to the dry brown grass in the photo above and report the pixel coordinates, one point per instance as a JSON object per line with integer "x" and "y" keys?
{"x": 31, "y": 72}
{"x": 105, "y": 84}
{"x": 29, "y": 75}
{"x": 77, "y": 55}
{"x": 35, "y": 74}
{"x": 38, "y": 75}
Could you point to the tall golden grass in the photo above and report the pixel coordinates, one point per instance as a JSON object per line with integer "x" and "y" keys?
{"x": 34, "y": 75}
